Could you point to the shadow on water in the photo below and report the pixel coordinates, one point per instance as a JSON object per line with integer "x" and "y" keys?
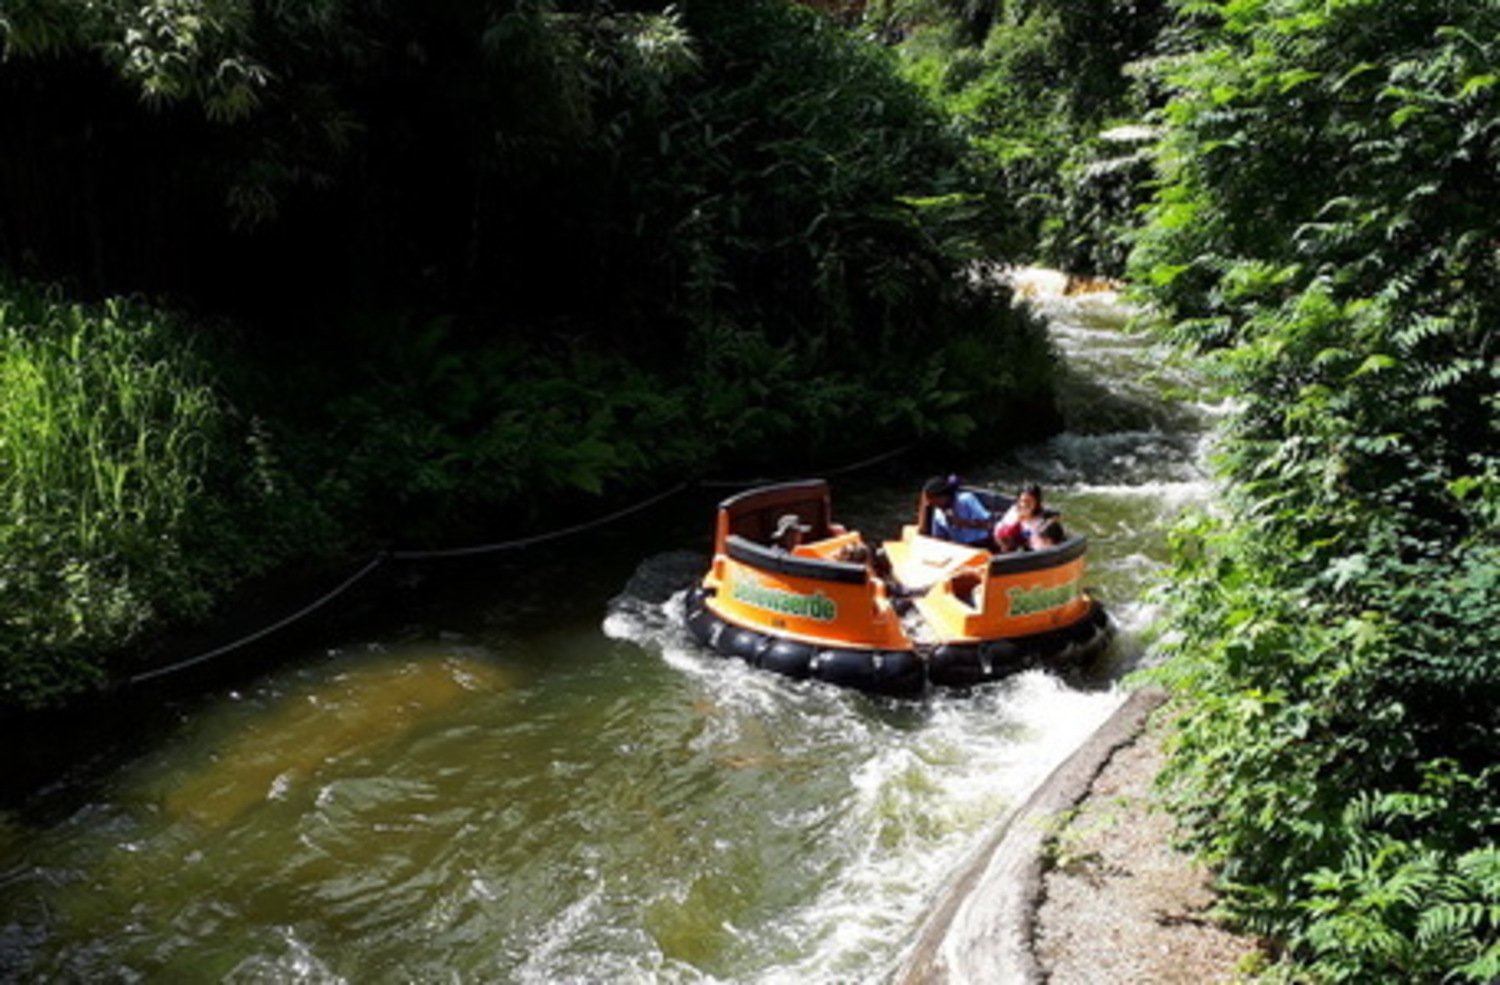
{"x": 66, "y": 753}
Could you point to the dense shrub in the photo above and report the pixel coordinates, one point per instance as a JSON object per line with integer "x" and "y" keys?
{"x": 1324, "y": 236}
{"x": 1039, "y": 91}
{"x": 482, "y": 260}
{"x": 145, "y": 483}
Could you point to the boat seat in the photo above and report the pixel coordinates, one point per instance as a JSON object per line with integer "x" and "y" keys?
{"x": 965, "y": 587}
{"x": 828, "y": 547}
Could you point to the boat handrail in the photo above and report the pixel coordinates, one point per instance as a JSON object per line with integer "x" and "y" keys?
{"x": 1019, "y": 562}
{"x": 829, "y": 547}
{"x": 782, "y": 491}
{"x": 793, "y": 565}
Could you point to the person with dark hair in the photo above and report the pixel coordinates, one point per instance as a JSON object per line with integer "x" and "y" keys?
{"x": 878, "y": 564}
{"x": 1050, "y": 534}
{"x": 958, "y": 515}
{"x": 1021, "y": 524}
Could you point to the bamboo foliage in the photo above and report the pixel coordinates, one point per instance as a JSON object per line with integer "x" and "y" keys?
{"x": 171, "y": 50}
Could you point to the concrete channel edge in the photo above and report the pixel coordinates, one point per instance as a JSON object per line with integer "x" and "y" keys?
{"x": 980, "y": 930}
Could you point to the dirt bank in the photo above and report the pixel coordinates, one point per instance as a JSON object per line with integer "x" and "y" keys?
{"x": 1080, "y": 883}
{"x": 1118, "y": 904}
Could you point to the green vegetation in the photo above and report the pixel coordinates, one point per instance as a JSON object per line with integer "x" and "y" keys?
{"x": 482, "y": 265}
{"x": 1043, "y": 94}
{"x": 546, "y": 252}
{"x": 106, "y": 433}
{"x": 1324, "y": 235}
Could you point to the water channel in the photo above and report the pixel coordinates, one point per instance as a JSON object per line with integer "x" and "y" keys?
{"x": 531, "y": 774}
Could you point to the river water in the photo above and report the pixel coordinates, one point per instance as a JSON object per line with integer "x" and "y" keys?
{"x": 531, "y": 774}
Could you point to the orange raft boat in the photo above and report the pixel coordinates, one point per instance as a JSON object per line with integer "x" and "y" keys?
{"x": 936, "y": 612}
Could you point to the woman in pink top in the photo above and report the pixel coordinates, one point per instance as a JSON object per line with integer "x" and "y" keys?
{"x": 1020, "y": 527}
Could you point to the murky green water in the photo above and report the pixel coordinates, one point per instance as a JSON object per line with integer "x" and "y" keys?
{"x": 542, "y": 779}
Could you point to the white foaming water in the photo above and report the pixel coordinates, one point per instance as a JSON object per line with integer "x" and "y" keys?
{"x": 946, "y": 788}
{"x": 296, "y": 965}
{"x": 922, "y": 789}
{"x": 514, "y": 796}
{"x": 922, "y": 796}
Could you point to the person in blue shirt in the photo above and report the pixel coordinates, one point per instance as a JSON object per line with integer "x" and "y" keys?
{"x": 958, "y": 515}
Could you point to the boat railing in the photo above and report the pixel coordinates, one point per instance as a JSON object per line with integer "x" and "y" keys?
{"x": 829, "y": 547}
{"x": 794, "y": 565}
{"x": 1020, "y": 562}
{"x": 974, "y": 596}
{"x": 753, "y": 515}
{"x": 812, "y": 599}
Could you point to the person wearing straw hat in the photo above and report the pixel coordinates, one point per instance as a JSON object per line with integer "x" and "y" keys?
{"x": 789, "y": 532}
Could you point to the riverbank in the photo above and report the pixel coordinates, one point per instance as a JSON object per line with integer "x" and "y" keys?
{"x": 1080, "y": 884}
{"x": 1118, "y": 903}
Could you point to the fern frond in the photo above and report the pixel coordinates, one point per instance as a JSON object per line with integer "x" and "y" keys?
{"x": 1422, "y": 330}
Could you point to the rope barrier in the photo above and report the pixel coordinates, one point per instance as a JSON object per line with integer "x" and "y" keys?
{"x": 299, "y": 614}
{"x": 509, "y": 545}
{"x": 380, "y": 559}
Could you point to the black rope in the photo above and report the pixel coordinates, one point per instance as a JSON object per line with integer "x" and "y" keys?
{"x": 510, "y": 545}
{"x": 374, "y": 563}
{"x": 299, "y": 614}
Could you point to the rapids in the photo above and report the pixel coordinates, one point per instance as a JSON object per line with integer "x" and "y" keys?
{"x": 542, "y": 779}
